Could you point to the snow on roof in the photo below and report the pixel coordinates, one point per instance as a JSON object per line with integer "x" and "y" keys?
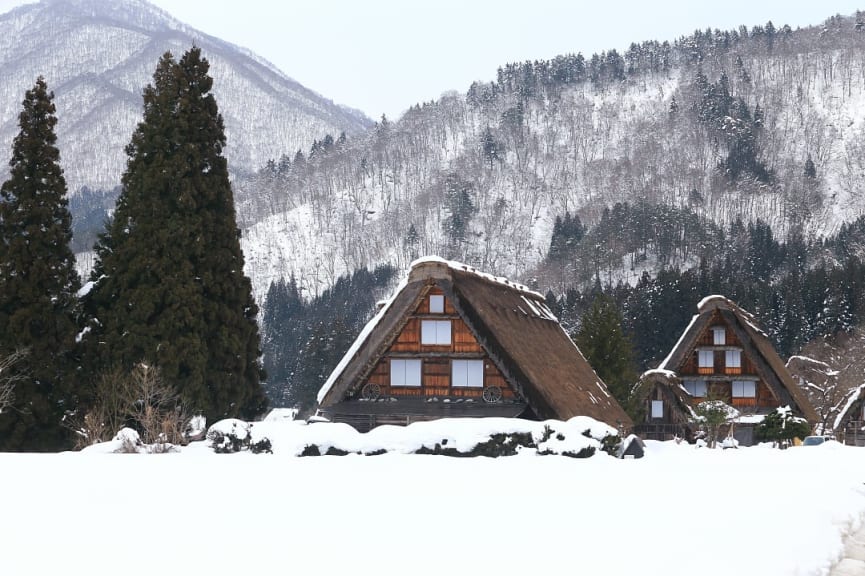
{"x": 663, "y": 365}
{"x": 713, "y": 298}
{"x": 459, "y": 266}
{"x": 750, "y": 419}
{"x": 540, "y": 308}
{"x": 851, "y": 399}
{"x": 361, "y": 338}
{"x": 669, "y": 374}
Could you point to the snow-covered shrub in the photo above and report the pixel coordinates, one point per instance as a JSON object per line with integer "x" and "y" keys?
{"x": 711, "y": 415}
{"x": 130, "y": 441}
{"x": 465, "y": 437}
{"x": 196, "y": 428}
{"x": 780, "y": 426}
{"x": 233, "y": 435}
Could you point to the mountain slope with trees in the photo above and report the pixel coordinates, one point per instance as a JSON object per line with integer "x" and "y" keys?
{"x": 99, "y": 55}
{"x": 756, "y": 122}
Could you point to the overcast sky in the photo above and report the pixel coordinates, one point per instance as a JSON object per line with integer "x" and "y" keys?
{"x": 382, "y": 56}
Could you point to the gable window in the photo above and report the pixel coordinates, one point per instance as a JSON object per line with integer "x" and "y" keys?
{"x": 435, "y": 332}
{"x": 720, "y": 336}
{"x": 696, "y": 388}
{"x": 705, "y": 361}
{"x": 436, "y": 304}
{"x": 405, "y": 372}
{"x": 467, "y": 374}
{"x": 744, "y": 389}
{"x": 733, "y": 362}
{"x": 657, "y": 408}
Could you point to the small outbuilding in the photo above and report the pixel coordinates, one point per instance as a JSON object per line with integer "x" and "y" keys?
{"x": 455, "y": 342}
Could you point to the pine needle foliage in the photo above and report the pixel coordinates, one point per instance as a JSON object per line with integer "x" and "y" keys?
{"x": 38, "y": 281}
{"x": 169, "y": 281}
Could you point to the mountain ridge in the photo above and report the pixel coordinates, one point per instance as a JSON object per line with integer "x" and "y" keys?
{"x": 98, "y": 57}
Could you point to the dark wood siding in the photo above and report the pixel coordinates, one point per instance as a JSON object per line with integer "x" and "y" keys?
{"x": 436, "y": 360}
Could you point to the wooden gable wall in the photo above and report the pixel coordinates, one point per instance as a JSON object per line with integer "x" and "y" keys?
{"x": 720, "y": 376}
{"x": 437, "y": 359}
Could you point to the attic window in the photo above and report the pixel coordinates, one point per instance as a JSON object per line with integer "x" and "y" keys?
{"x": 657, "y": 408}
{"x": 720, "y": 336}
{"x": 696, "y": 388}
{"x": 744, "y": 389}
{"x": 405, "y": 372}
{"x": 435, "y": 332}
{"x": 467, "y": 374}
{"x": 436, "y": 304}
{"x": 706, "y": 359}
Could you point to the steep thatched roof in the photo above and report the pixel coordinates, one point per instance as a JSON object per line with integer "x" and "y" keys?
{"x": 756, "y": 345}
{"x": 514, "y": 326}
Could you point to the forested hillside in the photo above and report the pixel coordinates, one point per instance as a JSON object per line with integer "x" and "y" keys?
{"x": 725, "y": 162}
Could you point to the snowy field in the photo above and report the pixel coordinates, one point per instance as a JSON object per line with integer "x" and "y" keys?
{"x": 679, "y": 510}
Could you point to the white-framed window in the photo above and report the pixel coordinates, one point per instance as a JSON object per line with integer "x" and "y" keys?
{"x": 744, "y": 389}
{"x": 405, "y": 372}
{"x": 705, "y": 359}
{"x": 436, "y": 304}
{"x": 734, "y": 359}
{"x": 720, "y": 336}
{"x": 435, "y": 332}
{"x": 696, "y": 388}
{"x": 467, "y": 373}
{"x": 657, "y": 408}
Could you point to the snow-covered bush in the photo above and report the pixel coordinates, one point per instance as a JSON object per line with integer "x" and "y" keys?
{"x": 780, "y": 427}
{"x": 233, "y": 435}
{"x": 579, "y": 437}
{"x": 711, "y": 415}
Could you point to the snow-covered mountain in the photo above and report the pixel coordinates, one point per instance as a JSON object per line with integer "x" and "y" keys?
{"x": 763, "y": 122}
{"x": 97, "y": 56}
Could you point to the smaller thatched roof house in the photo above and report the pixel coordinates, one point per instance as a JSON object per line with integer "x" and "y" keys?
{"x": 453, "y": 341}
{"x": 724, "y": 355}
{"x": 667, "y": 406}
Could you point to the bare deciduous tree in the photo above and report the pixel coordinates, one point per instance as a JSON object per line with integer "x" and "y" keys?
{"x": 828, "y": 369}
{"x": 140, "y": 399}
{"x": 9, "y": 378}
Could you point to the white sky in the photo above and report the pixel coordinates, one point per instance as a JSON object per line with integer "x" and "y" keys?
{"x": 382, "y": 56}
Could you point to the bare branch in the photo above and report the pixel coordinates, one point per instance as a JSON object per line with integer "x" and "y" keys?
{"x": 9, "y": 377}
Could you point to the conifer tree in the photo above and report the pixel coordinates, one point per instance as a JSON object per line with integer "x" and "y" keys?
{"x": 170, "y": 287}
{"x": 38, "y": 282}
{"x": 608, "y": 350}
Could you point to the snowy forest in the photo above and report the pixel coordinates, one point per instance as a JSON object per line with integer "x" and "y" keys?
{"x": 725, "y": 162}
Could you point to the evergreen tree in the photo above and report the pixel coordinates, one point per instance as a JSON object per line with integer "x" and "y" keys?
{"x": 460, "y": 205}
{"x": 810, "y": 170}
{"x": 170, "y": 287}
{"x": 609, "y": 351}
{"x": 492, "y": 149}
{"x": 38, "y": 282}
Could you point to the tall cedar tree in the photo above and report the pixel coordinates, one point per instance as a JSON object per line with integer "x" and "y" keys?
{"x": 38, "y": 282}
{"x": 608, "y": 350}
{"x": 170, "y": 287}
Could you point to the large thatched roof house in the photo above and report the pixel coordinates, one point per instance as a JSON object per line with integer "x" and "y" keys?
{"x": 453, "y": 341}
{"x": 724, "y": 355}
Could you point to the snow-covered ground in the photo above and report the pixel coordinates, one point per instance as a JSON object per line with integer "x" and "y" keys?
{"x": 679, "y": 510}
